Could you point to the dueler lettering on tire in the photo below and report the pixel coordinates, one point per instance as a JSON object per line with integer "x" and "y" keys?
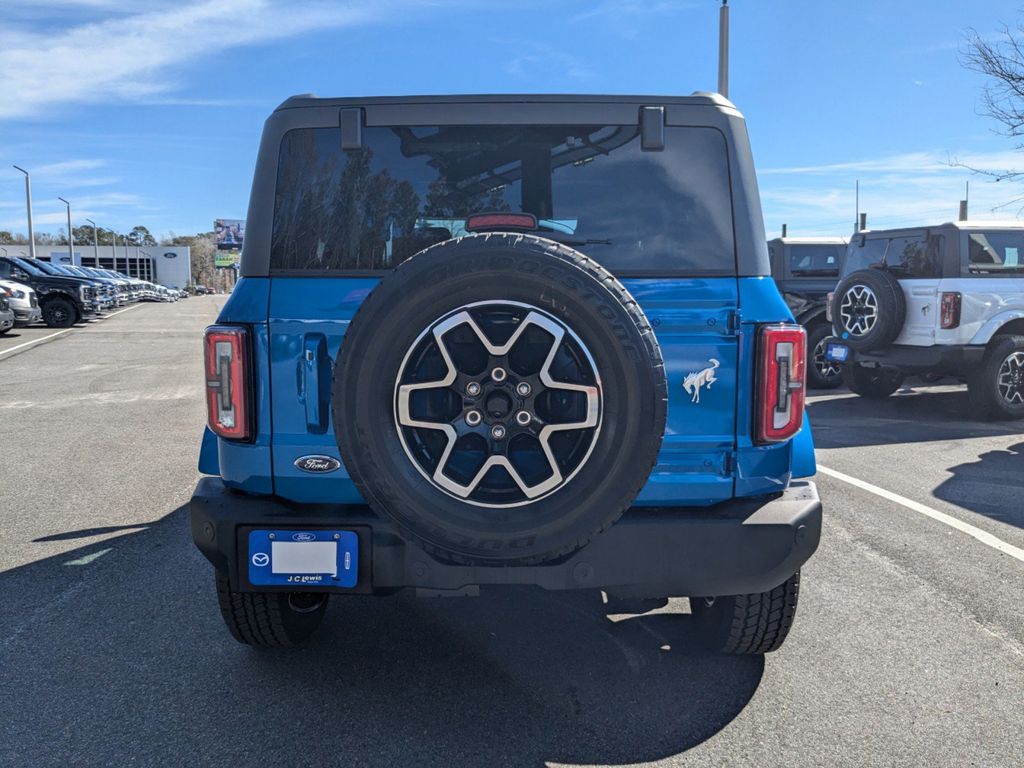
{"x": 501, "y": 398}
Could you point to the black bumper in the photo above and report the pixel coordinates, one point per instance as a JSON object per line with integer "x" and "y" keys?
{"x": 737, "y": 547}
{"x": 952, "y": 360}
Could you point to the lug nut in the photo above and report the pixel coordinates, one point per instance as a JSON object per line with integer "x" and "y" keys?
{"x": 473, "y": 418}
{"x": 523, "y": 418}
{"x": 499, "y": 374}
{"x": 498, "y": 432}
{"x": 523, "y": 388}
{"x": 473, "y": 389}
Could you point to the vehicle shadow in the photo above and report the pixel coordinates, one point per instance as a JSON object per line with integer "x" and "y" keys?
{"x": 921, "y": 414}
{"x": 115, "y": 651}
{"x": 990, "y": 486}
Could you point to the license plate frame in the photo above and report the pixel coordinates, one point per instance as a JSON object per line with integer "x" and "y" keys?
{"x": 836, "y": 352}
{"x": 303, "y": 558}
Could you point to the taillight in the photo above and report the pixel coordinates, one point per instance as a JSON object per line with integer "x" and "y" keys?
{"x": 484, "y": 221}
{"x": 782, "y": 363}
{"x": 228, "y": 381}
{"x": 950, "y": 312}
{"x": 828, "y": 305}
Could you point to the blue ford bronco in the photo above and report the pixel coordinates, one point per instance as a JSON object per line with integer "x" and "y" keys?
{"x": 516, "y": 340}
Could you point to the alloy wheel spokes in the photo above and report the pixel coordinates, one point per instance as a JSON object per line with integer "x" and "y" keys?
{"x": 497, "y": 417}
{"x": 1010, "y": 378}
{"x": 859, "y": 310}
{"x": 826, "y": 367}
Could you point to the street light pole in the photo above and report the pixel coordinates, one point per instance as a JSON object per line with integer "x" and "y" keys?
{"x": 723, "y": 49}
{"x": 113, "y": 248}
{"x": 28, "y": 203}
{"x": 71, "y": 239}
{"x": 95, "y": 245}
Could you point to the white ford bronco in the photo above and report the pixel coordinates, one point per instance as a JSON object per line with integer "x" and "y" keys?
{"x": 945, "y": 301}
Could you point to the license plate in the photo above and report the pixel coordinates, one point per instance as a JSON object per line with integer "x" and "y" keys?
{"x": 303, "y": 558}
{"x": 837, "y": 353}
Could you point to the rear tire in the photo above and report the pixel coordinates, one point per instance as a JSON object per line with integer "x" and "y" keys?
{"x": 59, "y": 313}
{"x": 873, "y": 383}
{"x": 748, "y": 624}
{"x": 821, "y": 373}
{"x": 270, "y": 619}
{"x": 996, "y": 388}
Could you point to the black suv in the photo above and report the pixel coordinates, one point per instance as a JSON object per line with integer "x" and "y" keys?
{"x": 64, "y": 300}
{"x": 806, "y": 269}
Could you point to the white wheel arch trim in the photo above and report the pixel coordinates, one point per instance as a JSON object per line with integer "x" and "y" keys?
{"x": 992, "y": 325}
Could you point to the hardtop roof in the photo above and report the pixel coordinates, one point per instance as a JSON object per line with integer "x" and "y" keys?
{"x": 698, "y": 98}
{"x": 810, "y": 240}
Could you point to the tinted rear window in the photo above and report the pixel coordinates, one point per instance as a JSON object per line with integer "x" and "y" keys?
{"x": 905, "y": 257}
{"x": 815, "y": 260}
{"x": 637, "y": 212}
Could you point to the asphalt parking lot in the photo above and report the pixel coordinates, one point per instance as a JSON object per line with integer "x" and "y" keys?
{"x": 908, "y": 646}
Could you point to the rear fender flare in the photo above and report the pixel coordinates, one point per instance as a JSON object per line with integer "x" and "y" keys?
{"x": 992, "y": 326}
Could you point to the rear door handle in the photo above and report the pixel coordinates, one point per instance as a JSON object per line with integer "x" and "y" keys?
{"x": 316, "y": 368}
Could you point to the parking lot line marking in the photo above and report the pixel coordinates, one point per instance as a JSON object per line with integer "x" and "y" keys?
{"x": 133, "y": 306}
{"x": 35, "y": 341}
{"x": 983, "y": 536}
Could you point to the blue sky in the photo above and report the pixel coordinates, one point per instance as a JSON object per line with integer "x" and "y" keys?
{"x": 150, "y": 112}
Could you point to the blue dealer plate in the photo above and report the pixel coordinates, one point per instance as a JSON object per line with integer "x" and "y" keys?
{"x": 303, "y": 558}
{"x": 837, "y": 353}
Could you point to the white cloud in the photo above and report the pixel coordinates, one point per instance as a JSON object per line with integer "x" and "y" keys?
{"x": 906, "y": 189}
{"x": 137, "y": 56}
{"x": 534, "y": 60}
{"x": 621, "y": 10}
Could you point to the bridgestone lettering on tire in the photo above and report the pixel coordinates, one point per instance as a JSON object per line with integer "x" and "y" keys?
{"x": 501, "y": 398}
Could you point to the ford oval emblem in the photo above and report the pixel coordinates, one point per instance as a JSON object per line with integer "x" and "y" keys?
{"x": 170, "y": 255}
{"x": 317, "y": 464}
{"x": 303, "y": 536}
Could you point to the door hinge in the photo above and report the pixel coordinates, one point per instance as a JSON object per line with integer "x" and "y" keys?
{"x": 728, "y": 463}
{"x": 732, "y": 322}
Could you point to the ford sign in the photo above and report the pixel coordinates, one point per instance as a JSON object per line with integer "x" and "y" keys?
{"x": 170, "y": 255}
{"x": 317, "y": 464}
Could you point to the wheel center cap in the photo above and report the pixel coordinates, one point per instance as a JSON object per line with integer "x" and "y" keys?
{"x": 498, "y": 405}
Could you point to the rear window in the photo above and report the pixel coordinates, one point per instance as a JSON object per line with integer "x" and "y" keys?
{"x": 662, "y": 212}
{"x": 995, "y": 252}
{"x": 815, "y": 260}
{"x": 905, "y": 257}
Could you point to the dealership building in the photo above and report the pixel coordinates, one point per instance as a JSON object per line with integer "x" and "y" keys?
{"x": 166, "y": 265}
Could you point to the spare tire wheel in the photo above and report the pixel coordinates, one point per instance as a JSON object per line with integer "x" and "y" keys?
{"x": 868, "y": 309}
{"x": 501, "y": 398}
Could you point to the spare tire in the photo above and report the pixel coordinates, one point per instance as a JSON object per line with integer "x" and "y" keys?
{"x": 868, "y": 309}
{"x": 501, "y": 398}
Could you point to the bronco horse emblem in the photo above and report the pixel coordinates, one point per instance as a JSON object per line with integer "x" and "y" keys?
{"x": 694, "y": 381}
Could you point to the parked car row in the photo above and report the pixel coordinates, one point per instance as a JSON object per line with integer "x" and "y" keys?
{"x": 61, "y": 295}
{"x": 936, "y": 302}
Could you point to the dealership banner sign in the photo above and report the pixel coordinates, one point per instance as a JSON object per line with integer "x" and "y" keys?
{"x": 229, "y": 235}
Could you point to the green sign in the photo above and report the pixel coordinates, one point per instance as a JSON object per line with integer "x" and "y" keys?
{"x": 226, "y": 259}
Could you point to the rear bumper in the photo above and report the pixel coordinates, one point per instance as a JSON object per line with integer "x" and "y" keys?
{"x": 737, "y": 547}
{"x": 953, "y": 359}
